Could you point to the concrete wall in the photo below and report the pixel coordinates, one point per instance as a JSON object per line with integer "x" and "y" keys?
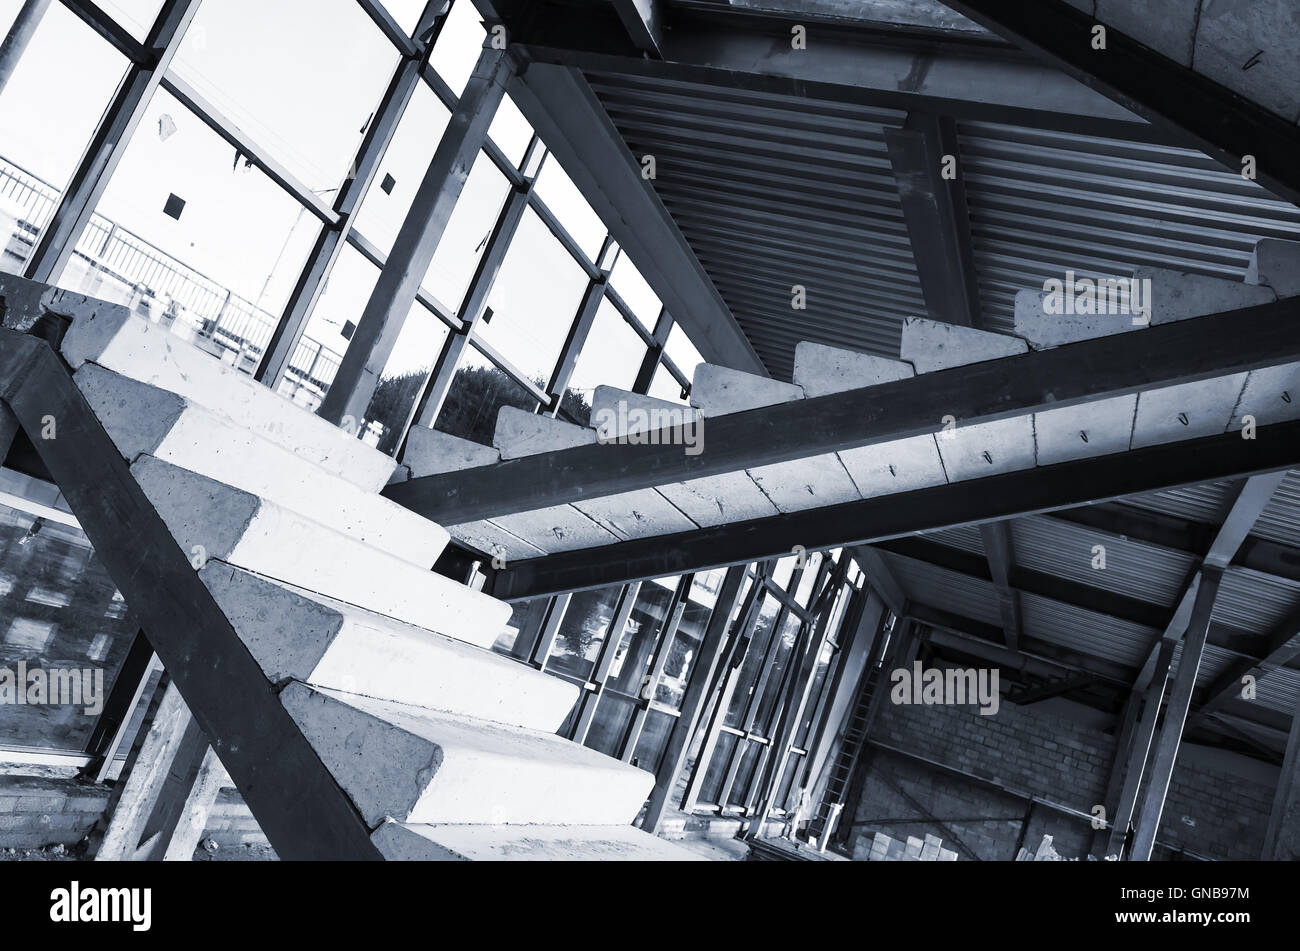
{"x": 1218, "y": 811}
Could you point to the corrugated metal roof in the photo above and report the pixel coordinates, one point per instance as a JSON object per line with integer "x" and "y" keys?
{"x": 1086, "y": 632}
{"x": 1066, "y": 550}
{"x": 964, "y": 537}
{"x": 1043, "y": 202}
{"x": 1280, "y": 520}
{"x": 1280, "y": 690}
{"x": 939, "y": 588}
{"x": 1208, "y": 503}
{"x": 1254, "y": 602}
{"x": 775, "y": 191}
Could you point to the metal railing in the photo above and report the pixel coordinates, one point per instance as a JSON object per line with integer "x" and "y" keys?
{"x": 193, "y": 305}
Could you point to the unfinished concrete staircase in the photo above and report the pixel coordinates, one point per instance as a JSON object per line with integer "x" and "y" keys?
{"x": 445, "y": 749}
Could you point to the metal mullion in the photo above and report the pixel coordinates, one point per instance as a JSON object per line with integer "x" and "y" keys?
{"x": 629, "y": 318}
{"x": 645, "y": 376}
{"x": 473, "y": 304}
{"x": 508, "y": 368}
{"x": 579, "y": 330}
{"x": 390, "y": 27}
{"x": 541, "y": 651}
{"x": 727, "y": 677}
{"x": 330, "y": 242}
{"x": 382, "y": 318}
{"x": 562, "y": 235}
{"x": 109, "y": 29}
{"x": 58, "y": 239}
{"x": 663, "y": 641}
{"x": 604, "y": 660}
{"x": 449, "y": 99}
{"x": 213, "y": 118}
{"x": 368, "y": 250}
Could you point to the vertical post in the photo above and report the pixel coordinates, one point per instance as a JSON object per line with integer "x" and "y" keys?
{"x": 1286, "y": 789}
{"x": 394, "y": 295}
{"x": 645, "y": 376}
{"x": 1180, "y": 699}
{"x": 19, "y": 36}
{"x": 58, "y": 240}
{"x": 1123, "y": 740}
{"x": 1140, "y": 750}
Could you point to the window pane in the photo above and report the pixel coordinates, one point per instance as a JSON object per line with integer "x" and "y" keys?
{"x": 751, "y": 667}
{"x": 609, "y": 726}
{"x": 682, "y": 352}
{"x": 417, "y": 349}
{"x": 208, "y": 248}
{"x": 468, "y": 230}
{"x": 534, "y": 300}
{"x": 49, "y": 109}
{"x": 808, "y": 578}
{"x": 611, "y": 356}
{"x": 136, "y": 15}
{"x": 402, "y": 169}
{"x": 653, "y": 740}
{"x": 634, "y": 290}
{"x": 510, "y": 130}
{"x": 59, "y": 610}
{"x": 301, "y": 77}
{"x": 320, "y": 350}
{"x": 765, "y": 715}
{"x": 459, "y": 45}
{"x": 582, "y": 631}
{"x": 716, "y": 770}
{"x": 665, "y": 386}
{"x": 562, "y": 197}
{"x": 478, "y": 391}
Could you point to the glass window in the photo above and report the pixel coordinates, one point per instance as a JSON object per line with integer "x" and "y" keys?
{"x": 562, "y": 197}
{"x": 402, "y": 170}
{"x": 534, "y": 300}
{"x": 634, "y": 290}
{"x": 582, "y": 631}
{"x": 459, "y": 45}
{"x": 510, "y": 130}
{"x": 417, "y": 349}
{"x": 301, "y": 77}
{"x": 59, "y": 611}
{"x": 136, "y": 15}
{"x": 611, "y": 356}
{"x": 682, "y": 352}
{"x": 467, "y": 233}
{"x": 208, "y": 247}
{"x": 320, "y": 350}
{"x": 808, "y": 578}
{"x": 665, "y": 386}
{"x": 653, "y": 741}
{"x": 49, "y": 108}
{"x": 477, "y": 392}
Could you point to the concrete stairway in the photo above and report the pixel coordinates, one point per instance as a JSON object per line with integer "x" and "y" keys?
{"x": 445, "y": 749}
{"x": 958, "y": 452}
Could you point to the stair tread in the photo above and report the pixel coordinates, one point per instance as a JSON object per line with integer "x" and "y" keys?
{"x": 211, "y": 520}
{"x": 563, "y": 843}
{"x": 119, "y": 340}
{"x": 295, "y": 634}
{"x": 416, "y": 765}
{"x": 145, "y": 419}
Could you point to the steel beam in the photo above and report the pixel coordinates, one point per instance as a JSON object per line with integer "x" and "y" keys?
{"x": 1284, "y": 794}
{"x": 395, "y": 292}
{"x": 1222, "y": 123}
{"x": 934, "y": 210}
{"x": 1001, "y": 560}
{"x": 1178, "y": 352}
{"x": 1028, "y": 492}
{"x": 1180, "y": 699}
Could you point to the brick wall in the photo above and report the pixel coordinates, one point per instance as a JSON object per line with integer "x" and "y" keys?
{"x": 37, "y": 812}
{"x": 1028, "y": 752}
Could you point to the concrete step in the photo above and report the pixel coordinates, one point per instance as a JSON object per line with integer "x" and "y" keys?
{"x": 716, "y": 391}
{"x": 294, "y": 634}
{"x": 211, "y": 520}
{"x": 130, "y": 345}
{"x": 418, "y": 766}
{"x": 931, "y": 345}
{"x": 821, "y": 370}
{"x": 402, "y": 842}
{"x": 519, "y": 433}
{"x": 1276, "y": 265}
{"x": 145, "y": 419}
